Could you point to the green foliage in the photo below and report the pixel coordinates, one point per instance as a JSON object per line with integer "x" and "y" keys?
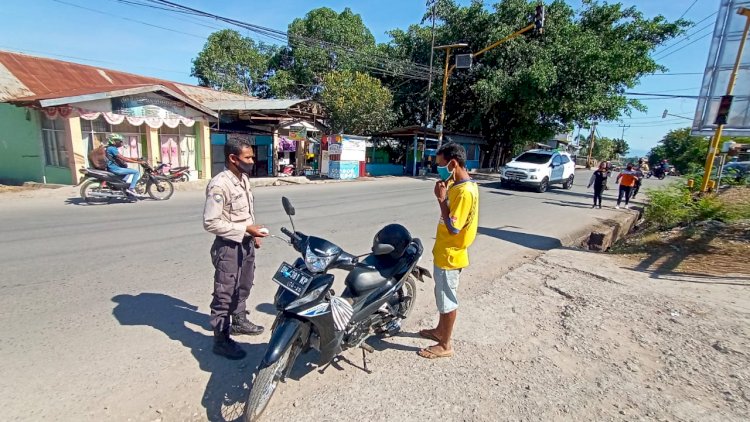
{"x": 668, "y": 207}
{"x": 357, "y": 103}
{"x": 682, "y": 150}
{"x": 534, "y": 86}
{"x": 605, "y": 148}
{"x": 675, "y": 205}
{"x": 231, "y": 62}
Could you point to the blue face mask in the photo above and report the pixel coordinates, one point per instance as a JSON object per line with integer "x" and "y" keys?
{"x": 444, "y": 173}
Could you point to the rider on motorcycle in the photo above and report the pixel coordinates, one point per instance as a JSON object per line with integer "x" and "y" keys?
{"x": 116, "y": 162}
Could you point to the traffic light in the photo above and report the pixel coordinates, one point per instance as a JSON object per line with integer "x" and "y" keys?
{"x": 539, "y": 19}
{"x": 723, "y": 114}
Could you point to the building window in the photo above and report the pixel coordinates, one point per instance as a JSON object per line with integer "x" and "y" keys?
{"x": 53, "y": 138}
{"x": 95, "y": 133}
{"x": 472, "y": 152}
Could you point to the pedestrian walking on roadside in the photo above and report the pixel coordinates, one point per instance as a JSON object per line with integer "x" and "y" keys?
{"x": 458, "y": 199}
{"x": 608, "y": 169}
{"x": 626, "y": 179}
{"x": 640, "y": 173}
{"x": 229, "y": 214}
{"x": 598, "y": 181}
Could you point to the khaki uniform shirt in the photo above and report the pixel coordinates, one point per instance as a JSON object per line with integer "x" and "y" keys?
{"x": 229, "y": 206}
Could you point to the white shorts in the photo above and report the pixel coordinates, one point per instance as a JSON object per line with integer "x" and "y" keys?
{"x": 446, "y": 289}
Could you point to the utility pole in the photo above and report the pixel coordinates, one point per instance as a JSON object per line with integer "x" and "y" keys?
{"x": 726, "y": 102}
{"x": 623, "y": 126}
{"x": 431, "y": 5}
{"x": 591, "y": 146}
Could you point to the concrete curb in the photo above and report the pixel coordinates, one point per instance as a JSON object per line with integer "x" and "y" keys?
{"x": 608, "y": 232}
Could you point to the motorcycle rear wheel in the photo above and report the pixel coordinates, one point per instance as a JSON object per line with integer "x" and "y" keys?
{"x": 266, "y": 382}
{"x": 160, "y": 189}
{"x": 88, "y": 188}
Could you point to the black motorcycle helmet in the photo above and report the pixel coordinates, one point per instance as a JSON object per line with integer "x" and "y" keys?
{"x": 394, "y": 235}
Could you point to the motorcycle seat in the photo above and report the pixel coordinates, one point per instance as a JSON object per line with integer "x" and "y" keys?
{"x": 100, "y": 173}
{"x": 372, "y": 273}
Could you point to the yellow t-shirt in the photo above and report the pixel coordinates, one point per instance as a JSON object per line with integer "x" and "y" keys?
{"x": 452, "y": 243}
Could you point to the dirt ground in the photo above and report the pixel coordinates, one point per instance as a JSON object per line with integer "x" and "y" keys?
{"x": 706, "y": 248}
{"x": 572, "y": 335}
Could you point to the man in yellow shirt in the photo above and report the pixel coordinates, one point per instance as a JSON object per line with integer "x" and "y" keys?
{"x": 458, "y": 198}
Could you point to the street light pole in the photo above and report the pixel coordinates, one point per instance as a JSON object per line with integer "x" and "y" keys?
{"x": 446, "y": 74}
{"x": 730, "y": 88}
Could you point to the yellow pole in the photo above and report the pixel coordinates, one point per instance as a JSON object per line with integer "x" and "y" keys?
{"x": 730, "y": 88}
{"x": 445, "y": 96}
{"x": 448, "y": 71}
{"x": 508, "y": 38}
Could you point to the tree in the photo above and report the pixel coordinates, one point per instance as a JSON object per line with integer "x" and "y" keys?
{"x": 357, "y": 103}
{"x": 682, "y": 150}
{"x": 534, "y": 86}
{"x": 604, "y": 148}
{"x": 231, "y": 62}
{"x": 620, "y": 147}
{"x": 323, "y": 41}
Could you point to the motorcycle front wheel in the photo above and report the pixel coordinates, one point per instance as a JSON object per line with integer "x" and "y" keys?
{"x": 90, "y": 187}
{"x": 160, "y": 189}
{"x": 266, "y": 382}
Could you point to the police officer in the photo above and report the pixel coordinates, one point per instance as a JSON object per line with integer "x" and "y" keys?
{"x": 229, "y": 214}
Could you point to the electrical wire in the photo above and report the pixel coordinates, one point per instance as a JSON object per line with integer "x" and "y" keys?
{"x": 684, "y": 46}
{"x": 383, "y": 64}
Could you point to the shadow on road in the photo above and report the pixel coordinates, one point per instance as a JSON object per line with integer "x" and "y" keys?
{"x": 532, "y": 241}
{"x": 82, "y": 202}
{"x": 228, "y": 386}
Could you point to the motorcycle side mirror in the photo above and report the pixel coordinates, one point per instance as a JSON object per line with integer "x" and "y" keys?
{"x": 288, "y": 207}
{"x": 382, "y": 249}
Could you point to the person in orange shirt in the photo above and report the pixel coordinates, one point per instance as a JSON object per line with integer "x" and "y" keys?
{"x": 627, "y": 180}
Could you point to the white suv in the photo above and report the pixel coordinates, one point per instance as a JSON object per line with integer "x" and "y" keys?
{"x": 539, "y": 168}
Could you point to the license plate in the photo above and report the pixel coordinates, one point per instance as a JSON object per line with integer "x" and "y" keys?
{"x": 292, "y": 279}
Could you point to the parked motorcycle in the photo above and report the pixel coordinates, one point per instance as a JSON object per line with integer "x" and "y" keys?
{"x": 101, "y": 187}
{"x": 175, "y": 174}
{"x": 380, "y": 292}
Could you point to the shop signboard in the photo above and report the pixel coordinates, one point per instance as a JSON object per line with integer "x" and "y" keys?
{"x": 353, "y": 149}
{"x": 298, "y": 134}
{"x": 334, "y": 149}
{"x": 147, "y": 105}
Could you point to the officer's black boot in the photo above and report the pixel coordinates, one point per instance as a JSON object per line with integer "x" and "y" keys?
{"x": 225, "y": 346}
{"x": 241, "y": 325}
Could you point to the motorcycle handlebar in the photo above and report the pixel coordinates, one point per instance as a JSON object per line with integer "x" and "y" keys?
{"x": 296, "y": 239}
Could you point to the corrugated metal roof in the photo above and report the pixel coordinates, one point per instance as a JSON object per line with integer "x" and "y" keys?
{"x": 203, "y": 94}
{"x": 49, "y": 78}
{"x": 10, "y": 86}
{"x": 33, "y": 79}
{"x": 25, "y": 78}
{"x": 252, "y": 104}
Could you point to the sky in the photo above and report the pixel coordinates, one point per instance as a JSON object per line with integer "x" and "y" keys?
{"x": 106, "y": 33}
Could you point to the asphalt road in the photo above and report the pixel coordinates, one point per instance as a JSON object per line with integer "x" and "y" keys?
{"x": 105, "y": 308}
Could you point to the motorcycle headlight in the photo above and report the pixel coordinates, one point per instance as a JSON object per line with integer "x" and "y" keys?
{"x": 315, "y": 263}
{"x": 308, "y": 297}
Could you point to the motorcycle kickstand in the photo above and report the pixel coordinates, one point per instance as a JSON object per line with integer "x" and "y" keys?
{"x": 366, "y": 348}
{"x": 323, "y": 369}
